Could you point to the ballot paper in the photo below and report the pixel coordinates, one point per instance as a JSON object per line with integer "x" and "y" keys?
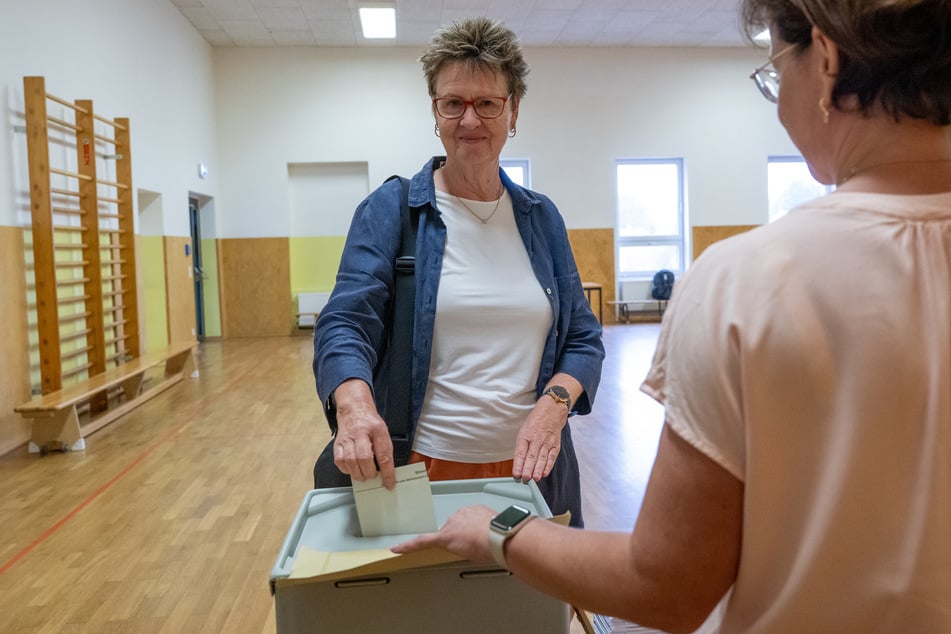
{"x": 407, "y": 509}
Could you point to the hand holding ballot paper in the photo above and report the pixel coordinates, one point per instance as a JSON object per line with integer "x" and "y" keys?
{"x": 406, "y": 509}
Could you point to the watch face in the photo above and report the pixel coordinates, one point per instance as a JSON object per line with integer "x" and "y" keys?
{"x": 560, "y": 392}
{"x": 510, "y": 517}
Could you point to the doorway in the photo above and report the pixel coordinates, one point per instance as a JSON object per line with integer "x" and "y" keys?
{"x": 199, "y": 276}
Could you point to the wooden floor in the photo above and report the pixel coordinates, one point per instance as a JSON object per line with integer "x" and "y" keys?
{"x": 171, "y": 519}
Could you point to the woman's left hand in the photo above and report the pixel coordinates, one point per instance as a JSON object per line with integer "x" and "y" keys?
{"x": 539, "y": 440}
{"x": 465, "y": 533}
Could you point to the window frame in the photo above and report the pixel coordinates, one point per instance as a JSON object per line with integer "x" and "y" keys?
{"x": 786, "y": 158}
{"x": 523, "y": 163}
{"x": 679, "y": 240}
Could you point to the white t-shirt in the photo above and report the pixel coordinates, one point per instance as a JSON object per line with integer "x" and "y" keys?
{"x": 492, "y": 319}
{"x": 811, "y": 358}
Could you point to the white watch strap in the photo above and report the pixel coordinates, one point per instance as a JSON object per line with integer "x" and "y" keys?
{"x": 497, "y": 541}
{"x": 496, "y": 547}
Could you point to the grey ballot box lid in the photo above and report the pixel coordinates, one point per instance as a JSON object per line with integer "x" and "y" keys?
{"x": 327, "y": 518}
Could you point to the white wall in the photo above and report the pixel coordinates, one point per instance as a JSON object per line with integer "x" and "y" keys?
{"x": 134, "y": 58}
{"x": 248, "y": 113}
{"x": 281, "y": 106}
{"x": 584, "y": 109}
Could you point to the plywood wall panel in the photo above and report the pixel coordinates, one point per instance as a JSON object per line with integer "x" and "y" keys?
{"x": 14, "y": 344}
{"x": 594, "y": 254}
{"x": 704, "y": 236}
{"x": 255, "y": 286}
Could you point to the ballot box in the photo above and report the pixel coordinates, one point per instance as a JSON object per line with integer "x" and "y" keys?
{"x": 329, "y": 579}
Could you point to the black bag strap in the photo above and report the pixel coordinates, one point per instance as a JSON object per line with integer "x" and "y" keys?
{"x": 396, "y": 402}
{"x": 400, "y": 374}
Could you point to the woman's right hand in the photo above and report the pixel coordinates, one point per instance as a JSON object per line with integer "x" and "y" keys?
{"x": 363, "y": 440}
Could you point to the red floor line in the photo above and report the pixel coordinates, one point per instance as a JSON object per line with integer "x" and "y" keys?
{"x": 55, "y": 527}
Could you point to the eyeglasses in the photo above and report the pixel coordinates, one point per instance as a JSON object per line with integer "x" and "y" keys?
{"x": 484, "y": 107}
{"x": 767, "y": 80}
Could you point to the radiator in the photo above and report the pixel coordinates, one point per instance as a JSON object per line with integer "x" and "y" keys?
{"x": 308, "y": 305}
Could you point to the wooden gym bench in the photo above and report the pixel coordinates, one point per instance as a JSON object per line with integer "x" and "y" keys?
{"x": 56, "y": 416}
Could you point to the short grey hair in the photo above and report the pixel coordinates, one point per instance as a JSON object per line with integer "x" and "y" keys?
{"x": 479, "y": 44}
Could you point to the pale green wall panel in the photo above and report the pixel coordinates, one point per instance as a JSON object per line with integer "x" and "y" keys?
{"x": 210, "y": 295}
{"x": 152, "y": 297}
{"x": 314, "y": 263}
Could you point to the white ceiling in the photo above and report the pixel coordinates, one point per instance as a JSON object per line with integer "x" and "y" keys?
{"x": 561, "y": 23}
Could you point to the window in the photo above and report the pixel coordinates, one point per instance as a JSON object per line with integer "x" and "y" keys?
{"x": 650, "y": 217}
{"x": 789, "y": 183}
{"x": 517, "y": 170}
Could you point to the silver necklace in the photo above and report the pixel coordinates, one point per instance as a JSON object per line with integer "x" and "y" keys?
{"x": 487, "y": 218}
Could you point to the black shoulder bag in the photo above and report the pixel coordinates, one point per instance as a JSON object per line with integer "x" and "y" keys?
{"x": 393, "y": 376}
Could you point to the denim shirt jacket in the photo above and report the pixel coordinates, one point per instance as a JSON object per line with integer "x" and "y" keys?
{"x": 350, "y": 329}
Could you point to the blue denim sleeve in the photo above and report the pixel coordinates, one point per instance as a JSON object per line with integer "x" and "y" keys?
{"x": 350, "y": 328}
{"x": 577, "y": 348}
{"x": 581, "y": 353}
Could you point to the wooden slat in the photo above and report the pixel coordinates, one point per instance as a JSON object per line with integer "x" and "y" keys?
{"x": 74, "y": 282}
{"x": 73, "y": 354}
{"x": 127, "y": 234}
{"x": 114, "y": 123}
{"x": 65, "y": 192}
{"x": 86, "y": 160}
{"x": 64, "y": 301}
{"x": 68, "y": 319}
{"x": 63, "y": 102}
{"x": 117, "y": 323}
{"x": 67, "y": 173}
{"x": 105, "y": 139}
{"x": 34, "y": 94}
{"x": 64, "y": 123}
{"x": 68, "y": 374}
{"x": 112, "y": 184}
{"x": 115, "y": 340}
{"x": 73, "y": 336}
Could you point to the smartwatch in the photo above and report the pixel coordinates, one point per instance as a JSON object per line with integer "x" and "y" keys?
{"x": 503, "y": 526}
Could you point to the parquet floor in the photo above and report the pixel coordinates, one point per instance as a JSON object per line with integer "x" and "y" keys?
{"x": 171, "y": 519}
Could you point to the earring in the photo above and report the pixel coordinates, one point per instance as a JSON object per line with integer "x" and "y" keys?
{"x": 824, "y": 108}
{"x": 436, "y": 129}
{"x": 512, "y": 133}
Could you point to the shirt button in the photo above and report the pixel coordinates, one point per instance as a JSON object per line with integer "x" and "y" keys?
{"x": 548, "y": 290}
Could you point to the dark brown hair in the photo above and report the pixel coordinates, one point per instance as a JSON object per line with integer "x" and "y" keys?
{"x": 894, "y": 54}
